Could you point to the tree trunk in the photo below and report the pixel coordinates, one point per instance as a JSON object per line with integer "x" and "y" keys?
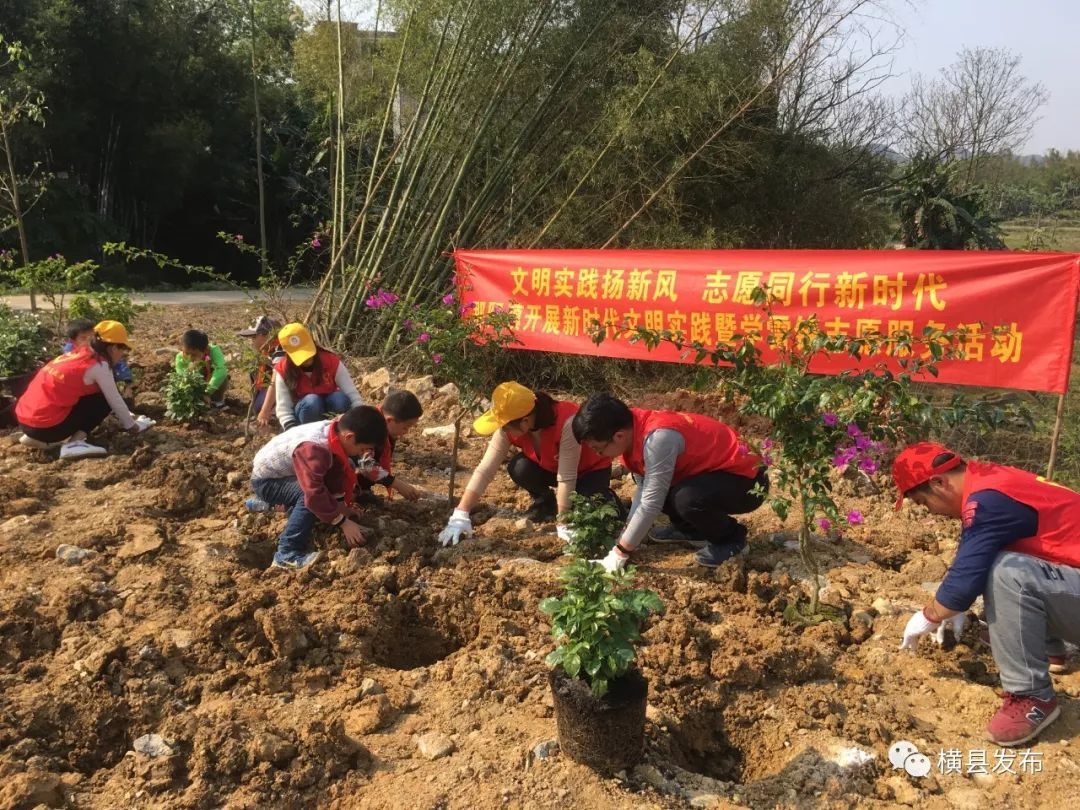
{"x": 258, "y": 144}
{"x": 808, "y": 559}
{"x": 24, "y": 246}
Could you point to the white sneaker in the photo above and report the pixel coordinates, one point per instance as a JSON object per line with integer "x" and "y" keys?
{"x": 82, "y": 449}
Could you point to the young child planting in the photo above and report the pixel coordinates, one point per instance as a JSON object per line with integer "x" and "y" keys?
{"x": 310, "y": 471}
{"x": 263, "y": 336}
{"x": 402, "y": 410}
{"x": 310, "y": 381}
{"x": 196, "y": 350}
{"x": 79, "y": 333}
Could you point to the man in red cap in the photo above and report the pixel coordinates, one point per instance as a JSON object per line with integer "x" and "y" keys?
{"x": 1020, "y": 549}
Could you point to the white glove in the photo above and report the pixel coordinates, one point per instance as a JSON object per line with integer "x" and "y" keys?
{"x": 144, "y": 423}
{"x": 918, "y": 625}
{"x": 614, "y": 561}
{"x": 956, "y": 622}
{"x": 458, "y": 525}
{"x": 565, "y": 533}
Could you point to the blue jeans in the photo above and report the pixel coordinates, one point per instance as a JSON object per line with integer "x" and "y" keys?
{"x": 314, "y": 407}
{"x": 293, "y": 540}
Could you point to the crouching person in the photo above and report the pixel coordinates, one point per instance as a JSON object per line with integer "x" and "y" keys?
{"x": 691, "y": 467}
{"x": 1019, "y": 548}
{"x": 309, "y": 470}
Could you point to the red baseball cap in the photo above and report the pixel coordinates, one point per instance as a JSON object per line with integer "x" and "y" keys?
{"x": 915, "y": 465}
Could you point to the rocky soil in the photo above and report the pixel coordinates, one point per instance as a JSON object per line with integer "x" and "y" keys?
{"x": 150, "y": 658}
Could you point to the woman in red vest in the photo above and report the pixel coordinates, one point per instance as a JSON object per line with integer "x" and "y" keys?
{"x": 691, "y": 467}
{"x": 74, "y": 393}
{"x": 550, "y": 456}
{"x": 310, "y": 382}
{"x": 1020, "y": 550}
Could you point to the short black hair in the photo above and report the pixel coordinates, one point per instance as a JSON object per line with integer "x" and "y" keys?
{"x": 77, "y": 327}
{"x": 194, "y": 339}
{"x": 601, "y": 417}
{"x": 402, "y": 405}
{"x": 366, "y": 423}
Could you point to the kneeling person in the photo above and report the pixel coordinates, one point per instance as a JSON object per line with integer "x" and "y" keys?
{"x": 691, "y": 467}
{"x": 402, "y": 411}
{"x": 307, "y": 469}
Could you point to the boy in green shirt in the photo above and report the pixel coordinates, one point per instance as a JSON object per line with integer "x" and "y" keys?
{"x": 196, "y": 349}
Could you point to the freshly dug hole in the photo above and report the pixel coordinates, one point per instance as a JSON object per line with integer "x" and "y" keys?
{"x": 410, "y": 636}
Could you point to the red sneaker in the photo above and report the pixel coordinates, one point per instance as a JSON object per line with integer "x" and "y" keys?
{"x": 1020, "y": 719}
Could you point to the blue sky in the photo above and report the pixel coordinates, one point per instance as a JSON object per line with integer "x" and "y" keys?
{"x": 1046, "y": 34}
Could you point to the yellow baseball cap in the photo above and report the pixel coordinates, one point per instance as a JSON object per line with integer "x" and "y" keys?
{"x": 510, "y": 401}
{"x": 112, "y": 332}
{"x": 297, "y": 342}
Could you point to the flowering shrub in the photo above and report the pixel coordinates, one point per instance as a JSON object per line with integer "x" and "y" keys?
{"x": 452, "y": 343}
{"x": 820, "y": 423}
{"x": 53, "y": 279}
{"x": 23, "y": 343}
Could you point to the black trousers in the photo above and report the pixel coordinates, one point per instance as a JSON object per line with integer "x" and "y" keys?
{"x": 89, "y": 412}
{"x": 703, "y": 505}
{"x": 538, "y": 482}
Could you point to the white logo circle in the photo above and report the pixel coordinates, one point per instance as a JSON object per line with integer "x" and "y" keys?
{"x": 917, "y": 765}
{"x": 900, "y": 751}
{"x": 294, "y": 340}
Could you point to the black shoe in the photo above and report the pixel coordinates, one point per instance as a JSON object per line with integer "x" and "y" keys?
{"x": 541, "y": 511}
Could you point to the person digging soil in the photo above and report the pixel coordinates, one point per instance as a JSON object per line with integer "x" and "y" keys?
{"x": 307, "y": 469}
{"x": 1020, "y": 549}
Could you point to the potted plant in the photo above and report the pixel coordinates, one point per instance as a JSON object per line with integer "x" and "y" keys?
{"x": 23, "y": 346}
{"x": 594, "y": 524}
{"x": 599, "y": 697}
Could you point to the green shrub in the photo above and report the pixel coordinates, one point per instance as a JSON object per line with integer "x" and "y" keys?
{"x": 594, "y": 522}
{"x": 23, "y": 342}
{"x": 108, "y": 305}
{"x": 596, "y": 622}
{"x": 185, "y": 394}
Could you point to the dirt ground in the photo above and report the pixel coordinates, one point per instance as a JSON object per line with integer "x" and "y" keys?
{"x": 404, "y": 675}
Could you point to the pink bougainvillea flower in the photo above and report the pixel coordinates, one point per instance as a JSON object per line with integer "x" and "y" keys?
{"x": 448, "y": 298}
{"x": 406, "y": 324}
{"x": 467, "y": 308}
{"x": 862, "y": 443}
{"x": 315, "y": 243}
{"x": 743, "y": 448}
{"x": 766, "y": 444}
{"x": 767, "y": 460}
{"x": 843, "y": 457}
{"x": 423, "y": 337}
{"x": 239, "y": 237}
{"x": 854, "y": 517}
{"x": 868, "y": 466}
{"x": 853, "y": 430}
{"x": 825, "y": 524}
{"x": 830, "y": 419}
{"x": 436, "y": 359}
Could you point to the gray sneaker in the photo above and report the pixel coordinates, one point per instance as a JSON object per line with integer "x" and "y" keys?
{"x": 715, "y": 554}
{"x": 669, "y": 534}
{"x": 297, "y": 564}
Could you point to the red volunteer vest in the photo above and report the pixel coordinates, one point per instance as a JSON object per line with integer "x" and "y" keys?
{"x": 56, "y": 388}
{"x": 305, "y": 385}
{"x": 711, "y": 445}
{"x": 549, "y": 444}
{"x": 1058, "y": 508}
{"x": 265, "y": 372}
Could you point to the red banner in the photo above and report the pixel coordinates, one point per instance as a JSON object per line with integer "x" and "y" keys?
{"x": 706, "y": 295}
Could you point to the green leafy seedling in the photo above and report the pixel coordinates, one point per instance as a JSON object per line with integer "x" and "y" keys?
{"x": 185, "y": 394}
{"x": 596, "y": 622}
{"x": 594, "y": 522}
